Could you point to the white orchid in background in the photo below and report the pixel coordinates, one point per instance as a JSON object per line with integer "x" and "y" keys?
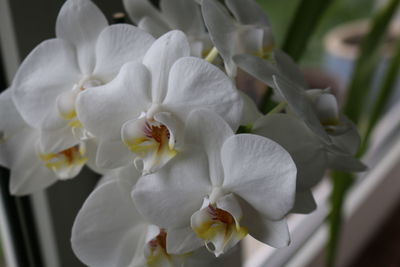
{"x": 242, "y": 184}
{"x": 248, "y": 32}
{"x": 140, "y": 115}
{"x": 109, "y": 231}
{"x": 317, "y": 108}
{"x": 31, "y": 168}
{"x": 86, "y": 53}
{"x": 184, "y": 15}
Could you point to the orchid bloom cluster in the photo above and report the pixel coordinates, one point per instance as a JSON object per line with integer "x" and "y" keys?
{"x": 155, "y": 109}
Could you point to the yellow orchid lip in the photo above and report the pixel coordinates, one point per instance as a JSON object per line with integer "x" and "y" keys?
{"x": 158, "y": 250}
{"x": 218, "y": 227}
{"x": 68, "y": 158}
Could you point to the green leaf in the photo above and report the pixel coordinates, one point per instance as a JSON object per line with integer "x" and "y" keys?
{"x": 367, "y": 62}
{"x": 304, "y": 22}
{"x": 385, "y": 92}
{"x": 341, "y": 184}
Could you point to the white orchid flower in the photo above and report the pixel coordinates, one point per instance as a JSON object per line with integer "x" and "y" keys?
{"x": 184, "y": 15}
{"x": 242, "y": 184}
{"x": 109, "y": 232}
{"x": 31, "y": 168}
{"x": 317, "y": 108}
{"x": 248, "y": 32}
{"x": 86, "y": 53}
{"x": 140, "y": 114}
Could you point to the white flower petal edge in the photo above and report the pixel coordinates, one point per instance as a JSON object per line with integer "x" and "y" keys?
{"x": 108, "y": 231}
{"x": 270, "y": 172}
{"x": 80, "y": 22}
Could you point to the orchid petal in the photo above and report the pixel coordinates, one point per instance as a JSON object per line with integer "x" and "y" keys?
{"x": 113, "y": 154}
{"x": 138, "y": 9}
{"x": 301, "y": 106}
{"x": 49, "y": 70}
{"x": 104, "y": 109}
{"x": 52, "y": 141}
{"x": 80, "y": 23}
{"x": 159, "y": 59}
{"x": 288, "y": 68}
{"x": 170, "y": 196}
{"x": 209, "y": 131}
{"x": 10, "y": 121}
{"x": 196, "y": 84}
{"x": 304, "y": 203}
{"x": 248, "y": 12}
{"x": 350, "y": 140}
{"x": 108, "y": 230}
{"x": 345, "y": 163}
{"x": 154, "y": 27}
{"x": 175, "y": 128}
{"x": 295, "y": 137}
{"x": 117, "y": 45}
{"x": 272, "y": 232}
{"x": 268, "y": 179}
{"x": 250, "y": 110}
{"x": 184, "y": 15}
{"x": 28, "y": 174}
{"x": 182, "y": 241}
{"x": 222, "y": 29}
{"x": 259, "y": 68}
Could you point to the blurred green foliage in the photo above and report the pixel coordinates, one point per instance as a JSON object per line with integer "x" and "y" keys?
{"x": 341, "y": 11}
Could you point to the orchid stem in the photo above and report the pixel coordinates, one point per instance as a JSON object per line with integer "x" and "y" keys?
{"x": 212, "y": 55}
{"x": 278, "y": 108}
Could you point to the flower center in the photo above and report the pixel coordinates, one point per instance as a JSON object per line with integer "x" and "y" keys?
{"x": 159, "y": 133}
{"x": 218, "y": 228}
{"x": 156, "y": 254}
{"x": 67, "y": 163}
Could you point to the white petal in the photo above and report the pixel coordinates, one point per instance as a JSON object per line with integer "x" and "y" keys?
{"x": 49, "y": 70}
{"x": 261, "y": 172}
{"x": 117, "y": 45}
{"x": 250, "y": 110}
{"x": 10, "y": 121}
{"x": 345, "y": 163}
{"x": 160, "y": 58}
{"x": 52, "y": 141}
{"x": 294, "y": 136}
{"x": 184, "y": 15}
{"x": 301, "y": 106}
{"x": 196, "y": 84}
{"x": 182, "y": 241}
{"x": 289, "y": 69}
{"x": 350, "y": 140}
{"x": 28, "y": 173}
{"x": 154, "y": 27}
{"x": 108, "y": 230}
{"x": 247, "y": 12}
{"x": 222, "y": 29}
{"x": 138, "y": 9}
{"x": 304, "y": 203}
{"x": 113, "y": 154}
{"x": 91, "y": 146}
{"x": 169, "y": 197}
{"x": 259, "y": 68}
{"x": 209, "y": 131}
{"x": 80, "y": 23}
{"x": 273, "y": 233}
{"x": 104, "y": 109}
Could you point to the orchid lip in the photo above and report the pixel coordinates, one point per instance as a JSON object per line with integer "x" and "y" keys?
{"x": 67, "y": 163}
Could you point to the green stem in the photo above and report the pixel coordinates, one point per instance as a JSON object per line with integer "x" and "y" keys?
{"x": 212, "y": 55}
